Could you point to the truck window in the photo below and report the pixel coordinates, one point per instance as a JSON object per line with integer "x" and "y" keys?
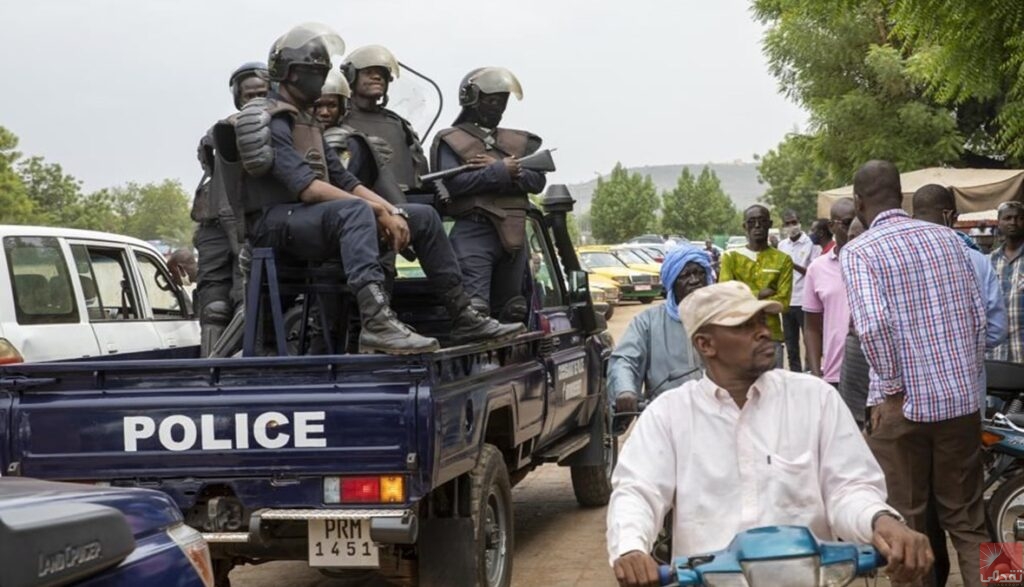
{"x": 41, "y": 281}
{"x": 106, "y": 284}
{"x": 545, "y": 279}
{"x": 158, "y": 289}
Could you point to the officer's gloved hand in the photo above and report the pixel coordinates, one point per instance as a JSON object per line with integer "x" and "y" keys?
{"x": 627, "y": 404}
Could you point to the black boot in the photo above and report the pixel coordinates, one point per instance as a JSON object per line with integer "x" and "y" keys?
{"x": 469, "y": 325}
{"x": 382, "y": 331}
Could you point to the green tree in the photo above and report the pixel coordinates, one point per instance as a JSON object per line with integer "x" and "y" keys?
{"x": 53, "y": 192}
{"x": 624, "y": 206}
{"x": 152, "y": 211}
{"x": 970, "y": 56}
{"x": 793, "y": 175}
{"x": 859, "y": 83}
{"x": 15, "y": 205}
{"x": 698, "y": 207}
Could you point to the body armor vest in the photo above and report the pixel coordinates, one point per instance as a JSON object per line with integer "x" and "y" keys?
{"x": 307, "y": 139}
{"x": 408, "y": 162}
{"x": 505, "y": 209}
{"x": 383, "y": 181}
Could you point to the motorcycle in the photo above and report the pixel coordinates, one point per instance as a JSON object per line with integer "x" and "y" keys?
{"x": 776, "y": 555}
{"x": 1003, "y": 438}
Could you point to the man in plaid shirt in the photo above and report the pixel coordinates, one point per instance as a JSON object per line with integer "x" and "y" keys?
{"x": 920, "y": 315}
{"x": 1009, "y": 267}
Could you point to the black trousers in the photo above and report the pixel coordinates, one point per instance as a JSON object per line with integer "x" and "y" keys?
{"x": 489, "y": 272}
{"x": 347, "y": 230}
{"x": 217, "y": 277}
{"x": 792, "y": 325}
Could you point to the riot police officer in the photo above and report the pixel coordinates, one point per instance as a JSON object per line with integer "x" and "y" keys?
{"x": 219, "y": 282}
{"x": 369, "y": 71}
{"x": 489, "y": 202}
{"x": 306, "y": 205}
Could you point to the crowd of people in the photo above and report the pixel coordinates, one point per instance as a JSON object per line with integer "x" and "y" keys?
{"x": 878, "y": 441}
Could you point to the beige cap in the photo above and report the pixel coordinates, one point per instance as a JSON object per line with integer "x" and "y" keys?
{"x": 723, "y": 304}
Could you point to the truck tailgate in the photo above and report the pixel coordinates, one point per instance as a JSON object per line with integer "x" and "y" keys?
{"x": 239, "y": 417}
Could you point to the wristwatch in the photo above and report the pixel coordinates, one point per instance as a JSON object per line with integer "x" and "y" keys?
{"x": 399, "y": 212}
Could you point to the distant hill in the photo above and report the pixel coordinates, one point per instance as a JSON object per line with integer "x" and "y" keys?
{"x": 739, "y": 181}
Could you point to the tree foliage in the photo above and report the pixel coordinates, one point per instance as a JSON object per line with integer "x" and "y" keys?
{"x": 624, "y": 206}
{"x": 793, "y": 175}
{"x": 859, "y": 82}
{"x": 33, "y": 191}
{"x": 698, "y": 207}
{"x": 970, "y": 55}
{"x": 15, "y": 205}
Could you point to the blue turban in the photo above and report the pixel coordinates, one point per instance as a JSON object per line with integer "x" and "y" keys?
{"x": 672, "y": 266}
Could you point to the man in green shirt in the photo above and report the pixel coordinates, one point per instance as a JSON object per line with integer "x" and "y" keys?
{"x": 768, "y": 272}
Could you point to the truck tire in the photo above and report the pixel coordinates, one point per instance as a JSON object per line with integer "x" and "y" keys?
{"x": 491, "y": 508}
{"x": 1006, "y": 503}
{"x": 592, "y": 484}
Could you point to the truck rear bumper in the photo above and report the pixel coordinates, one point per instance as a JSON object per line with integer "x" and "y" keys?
{"x": 387, "y": 526}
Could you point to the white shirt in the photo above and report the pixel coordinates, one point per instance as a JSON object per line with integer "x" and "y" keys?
{"x": 802, "y": 251}
{"x": 792, "y": 455}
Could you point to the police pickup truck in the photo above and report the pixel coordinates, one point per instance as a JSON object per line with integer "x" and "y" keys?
{"x": 355, "y": 463}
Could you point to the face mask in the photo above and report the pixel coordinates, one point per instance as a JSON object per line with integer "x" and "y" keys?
{"x": 815, "y": 239}
{"x": 489, "y": 116}
{"x": 309, "y": 84}
{"x": 793, "y": 231}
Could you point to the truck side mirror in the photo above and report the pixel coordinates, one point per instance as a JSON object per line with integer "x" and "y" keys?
{"x": 581, "y": 304}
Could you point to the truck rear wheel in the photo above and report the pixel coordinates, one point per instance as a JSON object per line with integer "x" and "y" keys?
{"x": 491, "y": 507}
{"x": 592, "y": 484}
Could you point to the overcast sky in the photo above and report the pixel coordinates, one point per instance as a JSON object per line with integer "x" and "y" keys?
{"x": 119, "y": 91}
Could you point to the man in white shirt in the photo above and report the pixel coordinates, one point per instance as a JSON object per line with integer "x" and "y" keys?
{"x": 744, "y": 447}
{"x": 799, "y": 248}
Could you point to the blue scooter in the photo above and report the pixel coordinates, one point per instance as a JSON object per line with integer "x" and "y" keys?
{"x": 1003, "y": 437}
{"x": 776, "y": 555}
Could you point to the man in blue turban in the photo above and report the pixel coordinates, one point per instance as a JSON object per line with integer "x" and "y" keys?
{"x": 655, "y": 353}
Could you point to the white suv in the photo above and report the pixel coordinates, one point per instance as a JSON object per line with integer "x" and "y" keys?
{"x": 69, "y": 294}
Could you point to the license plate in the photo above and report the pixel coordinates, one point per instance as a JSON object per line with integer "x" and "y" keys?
{"x": 643, "y": 288}
{"x": 342, "y": 543}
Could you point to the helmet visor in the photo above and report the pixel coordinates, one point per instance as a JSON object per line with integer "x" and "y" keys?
{"x": 302, "y": 34}
{"x": 494, "y": 80}
{"x": 374, "y": 56}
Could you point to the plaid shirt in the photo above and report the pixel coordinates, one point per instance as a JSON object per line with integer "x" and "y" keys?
{"x": 920, "y": 315}
{"x": 1011, "y": 278}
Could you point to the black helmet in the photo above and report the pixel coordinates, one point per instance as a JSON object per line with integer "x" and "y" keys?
{"x": 307, "y": 44}
{"x": 244, "y": 72}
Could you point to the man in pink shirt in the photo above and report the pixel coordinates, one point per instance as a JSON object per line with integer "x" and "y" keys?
{"x": 826, "y": 309}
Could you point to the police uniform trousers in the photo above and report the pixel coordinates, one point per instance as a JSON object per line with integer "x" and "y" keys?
{"x": 489, "y": 272}
{"x": 347, "y": 230}
{"x": 218, "y": 277}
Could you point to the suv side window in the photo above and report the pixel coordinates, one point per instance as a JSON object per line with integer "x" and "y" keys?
{"x": 159, "y": 290}
{"x": 106, "y": 285}
{"x": 39, "y": 277}
{"x": 542, "y": 267}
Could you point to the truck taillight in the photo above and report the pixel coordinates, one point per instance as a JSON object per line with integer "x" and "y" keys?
{"x": 368, "y": 489}
{"x": 8, "y": 354}
{"x": 195, "y": 548}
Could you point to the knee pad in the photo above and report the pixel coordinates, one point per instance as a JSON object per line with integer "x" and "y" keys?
{"x": 217, "y": 313}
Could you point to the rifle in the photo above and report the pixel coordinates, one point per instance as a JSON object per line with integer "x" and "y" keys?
{"x": 539, "y": 161}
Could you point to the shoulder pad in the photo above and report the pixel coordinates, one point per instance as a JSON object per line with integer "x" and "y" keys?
{"x": 252, "y": 136}
{"x": 533, "y": 142}
{"x": 405, "y": 123}
{"x": 336, "y": 137}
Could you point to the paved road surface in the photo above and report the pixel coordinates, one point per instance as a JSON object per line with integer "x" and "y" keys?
{"x": 558, "y": 544}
